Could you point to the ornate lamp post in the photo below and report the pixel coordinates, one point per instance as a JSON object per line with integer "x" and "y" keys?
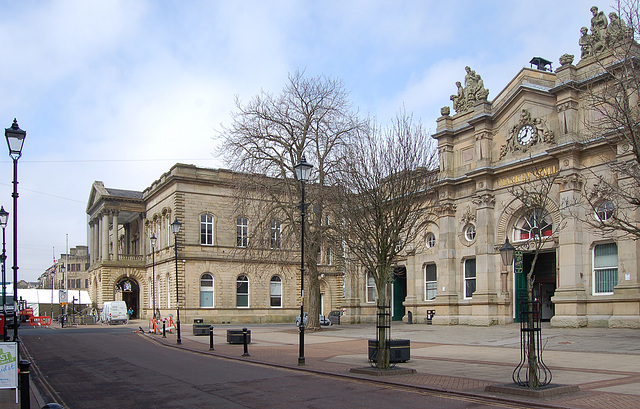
{"x": 175, "y": 227}
{"x": 15, "y": 139}
{"x": 153, "y": 270}
{"x": 4, "y": 217}
{"x": 303, "y": 171}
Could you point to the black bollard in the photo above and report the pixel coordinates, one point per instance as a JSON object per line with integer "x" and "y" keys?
{"x": 25, "y": 398}
{"x": 164, "y": 329}
{"x": 244, "y": 341}
{"x": 211, "y": 338}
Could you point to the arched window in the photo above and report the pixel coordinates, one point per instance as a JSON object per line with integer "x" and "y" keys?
{"x": 206, "y": 291}
{"x": 242, "y": 291}
{"x": 371, "y": 288}
{"x": 537, "y": 223}
{"x": 206, "y": 229}
{"x": 275, "y": 291}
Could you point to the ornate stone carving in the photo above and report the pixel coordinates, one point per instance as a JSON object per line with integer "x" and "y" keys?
{"x": 540, "y": 134}
{"x": 472, "y": 91}
{"x": 446, "y": 209}
{"x": 573, "y": 181}
{"x": 485, "y": 199}
{"x": 604, "y": 33}
{"x": 566, "y": 59}
{"x": 445, "y": 111}
{"x": 468, "y": 216}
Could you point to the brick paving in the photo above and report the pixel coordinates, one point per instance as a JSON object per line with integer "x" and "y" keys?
{"x": 460, "y": 360}
{"x": 445, "y": 367}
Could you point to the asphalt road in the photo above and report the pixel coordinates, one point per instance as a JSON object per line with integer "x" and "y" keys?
{"x": 111, "y": 367}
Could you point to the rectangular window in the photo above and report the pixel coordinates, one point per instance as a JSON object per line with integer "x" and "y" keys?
{"x": 469, "y": 277}
{"x": 329, "y": 256}
{"x": 430, "y": 282}
{"x": 371, "y": 288}
{"x": 242, "y": 236}
{"x": 605, "y": 268}
{"x": 206, "y": 229}
{"x": 276, "y": 234}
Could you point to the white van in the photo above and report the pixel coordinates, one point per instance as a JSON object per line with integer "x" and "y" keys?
{"x": 114, "y": 312}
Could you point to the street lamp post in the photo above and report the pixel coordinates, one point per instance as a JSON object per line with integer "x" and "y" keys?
{"x": 4, "y": 217}
{"x": 175, "y": 227}
{"x": 153, "y": 270}
{"x": 15, "y": 139}
{"x": 303, "y": 170}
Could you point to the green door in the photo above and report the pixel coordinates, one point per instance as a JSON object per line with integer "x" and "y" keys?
{"x": 520, "y": 282}
{"x": 399, "y": 294}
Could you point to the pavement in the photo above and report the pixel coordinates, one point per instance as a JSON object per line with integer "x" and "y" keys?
{"x": 603, "y": 363}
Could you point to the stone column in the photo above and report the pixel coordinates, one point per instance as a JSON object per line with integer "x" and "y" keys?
{"x": 570, "y": 298}
{"x": 114, "y": 237}
{"x": 104, "y": 230}
{"x": 446, "y": 304}
{"x": 484, "y": 300}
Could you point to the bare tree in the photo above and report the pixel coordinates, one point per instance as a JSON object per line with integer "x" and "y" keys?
{"x": 611, "y": 97}
{"x": 539, "y": 220}
{"x": 269, "y": 135}
{"x": 386, "y": 184}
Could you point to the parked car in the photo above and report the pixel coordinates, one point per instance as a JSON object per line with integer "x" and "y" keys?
{"x": 323, "y": 320}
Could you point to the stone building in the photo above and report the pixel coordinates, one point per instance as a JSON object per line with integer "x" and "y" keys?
{"x": 219, "y": 279}
{"x": 69, "y": 271}
{"x": 537, "y": 126}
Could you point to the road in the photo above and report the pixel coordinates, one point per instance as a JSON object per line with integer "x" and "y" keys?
{"x": 111, "y": 367}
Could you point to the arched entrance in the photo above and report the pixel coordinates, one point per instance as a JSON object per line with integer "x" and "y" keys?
{"x": 399, "y": 293}
{"x": 128, "y": 290}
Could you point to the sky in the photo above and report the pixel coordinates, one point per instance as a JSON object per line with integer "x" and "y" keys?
{"x": 118, "y": 91}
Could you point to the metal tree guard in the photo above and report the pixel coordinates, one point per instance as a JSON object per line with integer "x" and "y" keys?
{"x": 383, "y": 325}
{"x": 531, "y": 371}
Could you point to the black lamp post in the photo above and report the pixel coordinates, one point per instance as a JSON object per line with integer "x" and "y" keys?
{"x": 507, "y": 251}
{"x": 153, "y": 270}
{"x": 175, "y": 227}
{"x": 303, "y": 171}
{"x": 4, "y": 217}
{"x": 15, "y": 139}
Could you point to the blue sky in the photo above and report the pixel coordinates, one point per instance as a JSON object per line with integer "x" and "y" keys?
{"x": 119, "y": 91}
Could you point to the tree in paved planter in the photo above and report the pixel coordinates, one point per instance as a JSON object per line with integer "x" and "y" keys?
{"x": 386, "y": 187}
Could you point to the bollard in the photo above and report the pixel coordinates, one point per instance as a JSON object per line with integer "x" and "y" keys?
{"x": 25, "y": 398}
{"x": 164, "y": 328}
{"x": 244, "y": 341}
{"x": 211, "y": 338}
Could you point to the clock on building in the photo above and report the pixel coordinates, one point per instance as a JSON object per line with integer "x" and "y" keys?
{"x": 526, "y": 134}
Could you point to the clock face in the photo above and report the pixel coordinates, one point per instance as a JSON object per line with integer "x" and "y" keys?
{"x": 525, "y": 135}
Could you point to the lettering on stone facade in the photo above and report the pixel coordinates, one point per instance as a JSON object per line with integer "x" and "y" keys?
{"x": 527, "y": 176}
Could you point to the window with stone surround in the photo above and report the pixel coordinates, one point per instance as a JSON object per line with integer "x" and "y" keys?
{"x": 605, "y": 268}
{"x": 242, "y": 235}
{"x": 430, "y": 282}
{"x": 206, "y": 291}
{"x": 469, "y": 277}
{"x": 206, "y": 229}
{"x": 242, "y": 291}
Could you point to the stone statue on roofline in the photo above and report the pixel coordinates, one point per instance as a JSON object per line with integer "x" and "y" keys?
{"x": 605, "y": 33}
{"x": 472, "y": 91}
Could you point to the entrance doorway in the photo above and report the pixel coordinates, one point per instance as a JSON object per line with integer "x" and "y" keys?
{"x": 399, "y": 293}
{"x": 544, "y": 283}
{"x": 130, "y": 291}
